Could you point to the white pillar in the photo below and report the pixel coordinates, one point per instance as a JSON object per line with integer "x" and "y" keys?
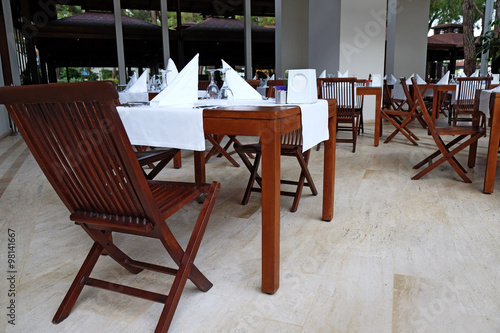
{"x": 362, "y": 42}
{"x": 324, "y": 35}
{"x": 407, "y": 37}
{"x": 248, "y": 39}
{"x": 11, "y": 42}
{"x": 292, "y": 35}
{"x": 119, "y": 41}
{"x": 164, "y": 32}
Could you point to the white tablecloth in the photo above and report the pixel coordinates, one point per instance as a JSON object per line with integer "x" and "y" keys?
{"x": 182, "y": 127}
{"x": 128, "y": 97}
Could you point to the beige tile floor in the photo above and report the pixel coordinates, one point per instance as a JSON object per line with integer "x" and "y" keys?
{"x": 399, "y": 255}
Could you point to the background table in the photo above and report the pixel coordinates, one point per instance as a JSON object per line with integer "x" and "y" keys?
{"x": 377, "y": 92}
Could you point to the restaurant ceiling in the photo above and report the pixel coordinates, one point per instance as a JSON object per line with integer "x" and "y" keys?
{"x": 220, "y": 8}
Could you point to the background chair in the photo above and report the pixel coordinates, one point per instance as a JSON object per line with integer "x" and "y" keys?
{"x": 291, "y": 145}
{"x": 343, "y": 90}
{"x": 270, "y": 87}
{"x": 464, "y": 106}
{"x": 76, "y": 136}
{"x": 359, "y": 105}
{"x": 253, "y": 83}
{"x": 464, "y": 136}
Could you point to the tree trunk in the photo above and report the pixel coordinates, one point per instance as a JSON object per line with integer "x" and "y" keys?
{"x": 469, "y": 46}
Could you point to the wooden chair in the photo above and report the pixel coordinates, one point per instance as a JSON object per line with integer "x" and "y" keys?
{"x": 291, "y": 145}
{"x": 148, "y": 157}
{"x": 464, "y": 136}
{"x": 359, "y": 106}
{"x": 400, "y": 118}
{"x": 467, "y": 87}
{"x": 270, "y": 87}
{"x": 75, "y": 134}
{"x": 388, "y": 102}
{"x": 253, "y": 83}
{"x": 342, "y": 89}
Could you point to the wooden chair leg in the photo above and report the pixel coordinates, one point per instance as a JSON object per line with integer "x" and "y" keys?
{"x": 217, "y": 147}
{"x": 77, "y": 285}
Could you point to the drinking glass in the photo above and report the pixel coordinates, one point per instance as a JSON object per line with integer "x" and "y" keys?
{"x": 225, "y": 92}
{"x": 212, "y": 89}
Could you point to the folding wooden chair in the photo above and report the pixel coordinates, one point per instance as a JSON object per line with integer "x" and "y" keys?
{"x": 400, "y": 118}
{"x": 291, "y": 145}
{"x": 75, "y": 134}
{"x": 474, "y": 132}
{"x": 147, "y": 157}
{"x": 464, "y": 106}
{"x": 343, "y": 90}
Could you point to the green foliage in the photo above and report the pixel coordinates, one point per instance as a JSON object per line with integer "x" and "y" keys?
{"x": 447, "y": 11}
{"x": 66, "y": 10}
{"x": 490, "y": 41}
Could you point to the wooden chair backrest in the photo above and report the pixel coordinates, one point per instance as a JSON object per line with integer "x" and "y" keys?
{"x": 419, "y": 100}
{"x": 467, "y": 87}
{"x": 75, "y": 134}
{"x": 253, "y": 83}
{"x": 410, "y": 99}
{"x": 360, "y": 98}
{"x": 341, "y": 89}
{"x": 271, "y": 84}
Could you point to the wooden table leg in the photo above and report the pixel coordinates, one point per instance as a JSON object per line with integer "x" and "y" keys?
{"x": 199, "y": 167}
{"x": 329, "y": 171}
{"x": 491, "y": 161}
{"x": 178, "y": 160}
{"x": 271, "y": 209}
{"x": 378, "y": 118}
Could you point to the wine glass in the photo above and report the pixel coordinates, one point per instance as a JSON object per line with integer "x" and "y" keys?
{"x": 225, "y": 92}
{"x": 212, "y": 89}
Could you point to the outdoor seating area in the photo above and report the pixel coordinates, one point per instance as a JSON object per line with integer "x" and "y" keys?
{"x": 398, "y": 252}
{"x": 253, "y": 166}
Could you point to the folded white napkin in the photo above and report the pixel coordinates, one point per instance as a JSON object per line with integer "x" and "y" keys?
{"x": 131, "y": 82}
{"x": 141, "y": 85}
{"x": 346, "y": 74}
{"x": 172, "y": 71}
{"x": 418, "y": 78}
{"x": 461, "y": 74}
{"x": 323, "y": 74}
{"x": 240, "y": 88}
{"x": 272, "y": 77}
{"x": 475, "y": 74}
{"x": 393, "y": 79}
{"x": 445, "y": 79}
{"x": 183, "y": 90}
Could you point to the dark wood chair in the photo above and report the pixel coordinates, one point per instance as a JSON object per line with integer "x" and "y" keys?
{"x": 343, "y": 90}
{"x": 464, "y": 136}
{"x": 253, "y": 83}
{"x": 359, "y": 105}
{"x": 291, "y": 145}
{"x": 399, "y": 117}
{"x": 75, "y": 134}
{"x": 148, "y": 156}
{"x": 270, "y": 87}
{"x": 467, "y": 86}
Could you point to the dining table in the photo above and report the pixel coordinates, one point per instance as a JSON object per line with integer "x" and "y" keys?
{"x": 268, "y": 123}
{"x": 377, "y": 92}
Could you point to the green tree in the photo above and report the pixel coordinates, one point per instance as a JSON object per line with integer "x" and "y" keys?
{"x": 67, "y": 10}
